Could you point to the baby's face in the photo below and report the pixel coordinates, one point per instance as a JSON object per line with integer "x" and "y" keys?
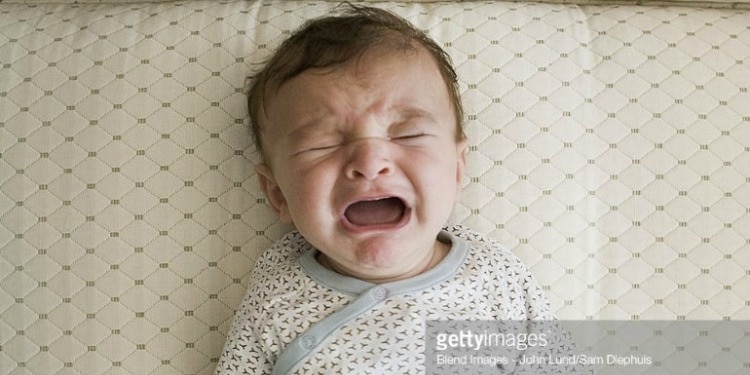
{"x": 364, "y": 160}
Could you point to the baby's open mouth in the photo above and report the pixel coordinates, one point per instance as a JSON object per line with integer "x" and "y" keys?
{"x": 376, "y": 212}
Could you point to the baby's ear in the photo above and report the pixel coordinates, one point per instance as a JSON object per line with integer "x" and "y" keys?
{"x": 273, "y": 192}
{"x": 462, "y": 148}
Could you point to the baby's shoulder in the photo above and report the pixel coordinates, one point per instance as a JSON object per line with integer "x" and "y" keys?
{"x": 490, "y": 259}
{"x": 279, "y": 264}
{"x": 285, "y": 251}
{"x": 498, "y": 272}
{"x": 483, "y": 245}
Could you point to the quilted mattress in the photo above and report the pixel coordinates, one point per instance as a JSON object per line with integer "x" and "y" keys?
{"x": 609, "y": 149}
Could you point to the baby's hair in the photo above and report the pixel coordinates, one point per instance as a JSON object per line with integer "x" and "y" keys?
{"x": 330, "y": 41}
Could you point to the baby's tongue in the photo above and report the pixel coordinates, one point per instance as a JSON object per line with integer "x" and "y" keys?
{"x": 381, "y": 211}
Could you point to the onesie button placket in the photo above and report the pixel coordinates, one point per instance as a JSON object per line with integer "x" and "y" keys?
{"x": 308, "y": 342}
{"x": 365, "y": 296}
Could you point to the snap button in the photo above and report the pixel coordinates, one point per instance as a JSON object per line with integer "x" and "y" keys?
{"x": 379, "y": 293}
{"x": 308, "y": 342}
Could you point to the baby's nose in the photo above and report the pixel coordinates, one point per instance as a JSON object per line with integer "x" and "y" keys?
{"x": 368, "y": 159}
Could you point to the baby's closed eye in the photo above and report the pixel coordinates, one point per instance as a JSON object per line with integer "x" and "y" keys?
{"x": 410, "y": 139}
{"x": 318, "y": 147}
{"x": 410, "y": 134}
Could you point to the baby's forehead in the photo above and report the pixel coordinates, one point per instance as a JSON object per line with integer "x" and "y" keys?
{"x": 307, "y": 97}
{"x": 394, "y": 77}
{"x": 361, "y": 64}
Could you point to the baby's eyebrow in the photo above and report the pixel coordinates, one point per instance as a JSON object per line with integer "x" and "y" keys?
{"x": 309, "y": 129}
{"x": 410, "y": 113}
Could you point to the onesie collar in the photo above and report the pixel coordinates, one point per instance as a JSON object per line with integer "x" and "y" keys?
{"x": 353, "y": 286}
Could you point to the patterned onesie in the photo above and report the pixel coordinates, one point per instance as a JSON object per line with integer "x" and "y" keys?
{"x": 301, "y": 318}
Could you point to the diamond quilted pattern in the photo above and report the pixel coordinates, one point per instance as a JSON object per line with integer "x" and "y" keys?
{"x": 610, "y": 148}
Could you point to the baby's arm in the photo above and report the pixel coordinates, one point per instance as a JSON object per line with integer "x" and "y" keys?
{"x": 253, "y": 342}
{"x": 537, "y": 304}
{"x": 242, "y": 353}
{"x": 245, "y": 351}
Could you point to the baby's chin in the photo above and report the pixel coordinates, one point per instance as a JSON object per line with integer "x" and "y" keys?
{"x": 381, "y": 260}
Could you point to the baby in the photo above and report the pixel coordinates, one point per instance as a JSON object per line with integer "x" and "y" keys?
{"x": 359, "y": 121}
